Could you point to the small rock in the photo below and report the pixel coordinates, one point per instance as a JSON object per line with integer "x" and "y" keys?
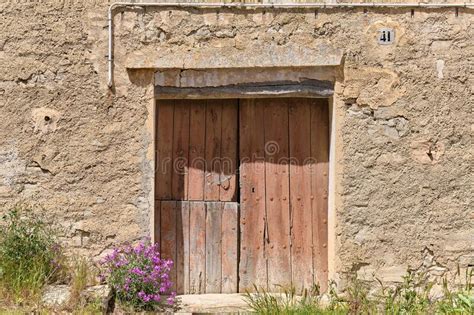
{"x": 225, "y": 33}
{"x": 366, "y": 273}
{"x": 325, "y": 300}
{"x": 437, "y": 271}
{"x": 391, "y": 132}
{"x": 436, "y": 292}
{"x": 392, "y": 273}
{"x": 56, "y": 296}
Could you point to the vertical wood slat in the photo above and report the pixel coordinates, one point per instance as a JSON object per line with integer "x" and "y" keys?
{"x": 277, "y": 192}
{"x": 300, "y": 196}
{"x": 197, "y": 143}
{"x": 197, "y": 247}
{"x": 182, "y": 247}
{"x": 157, "y": 224}
{"x": 213, "y": 149}
{"x": 229, "y": 247}
{"x": 229, "y": 138}
{"x": 213, "y": 247}
{"x": 319, "y": 187}
{"x": 179, "y": 167}
{"x": 252, "y": 264}
{"x": 164, "y": 154}
{"x": 168, "y": 235}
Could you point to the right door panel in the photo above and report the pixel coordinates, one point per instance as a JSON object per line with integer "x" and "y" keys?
{"x": 284, "y": 153}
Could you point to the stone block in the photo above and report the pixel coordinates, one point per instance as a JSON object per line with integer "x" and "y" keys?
{"x": 385, "y": 274}
{"x": 56, "y": 296}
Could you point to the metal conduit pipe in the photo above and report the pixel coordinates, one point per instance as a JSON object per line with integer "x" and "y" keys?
{"x": 110, "y": 57}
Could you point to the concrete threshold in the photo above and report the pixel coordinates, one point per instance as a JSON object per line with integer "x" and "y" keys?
{"x": 213, "y": 304}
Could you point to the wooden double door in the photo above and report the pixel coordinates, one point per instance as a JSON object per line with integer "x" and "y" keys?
{"x": 241, "y": 192}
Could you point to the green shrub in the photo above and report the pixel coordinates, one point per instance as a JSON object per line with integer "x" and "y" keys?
{"x": 30, "y": 257}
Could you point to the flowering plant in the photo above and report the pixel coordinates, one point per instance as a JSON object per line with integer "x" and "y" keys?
{"x": 139, "y": 276}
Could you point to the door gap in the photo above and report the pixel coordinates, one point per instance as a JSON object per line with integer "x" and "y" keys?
{"x": 238, "y": 189}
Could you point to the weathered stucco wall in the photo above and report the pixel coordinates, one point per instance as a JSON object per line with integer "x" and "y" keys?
{"x": 404, "y": 121}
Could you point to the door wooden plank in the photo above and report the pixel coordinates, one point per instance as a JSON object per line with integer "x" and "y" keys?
{"x": 157, "y": 223}
{"x": 182, "y": 247}
{"x": 300, "y": 193}
{"x": 165, "y": 112}
{"x": 229, "y": 247}
{"x": 168, "y": 235}
{"x": 179, "y": 183}
{"x": 213, "y": 149}
{"x": 213, "y": 247}
{"x": 228, "y": 187}
{"x": 197, "y": 144}
{"x": 252, "y": 264}
{"x": 277, "y": 192}
{"x": 319, "y": 188}
{"x": 197, "y": 247}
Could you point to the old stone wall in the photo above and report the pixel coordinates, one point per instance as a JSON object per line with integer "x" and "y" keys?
{"x": 81, "y": 152}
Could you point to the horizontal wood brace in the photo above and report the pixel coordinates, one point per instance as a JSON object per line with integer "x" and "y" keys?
{"x": 304, "y": 88}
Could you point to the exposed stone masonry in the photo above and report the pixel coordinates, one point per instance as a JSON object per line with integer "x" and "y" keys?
{"x": 404, "y": 167}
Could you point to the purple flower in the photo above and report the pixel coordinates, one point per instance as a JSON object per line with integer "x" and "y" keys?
{"x": 137, "y": 271}
{"x": 171, "y": 298}
{"x": 139, "y": 249}
{"x": 156, "y": 260}
{"x": 139, "y": 274}
{"x": 168, "y": 264}
{"x": 121, "y": 263}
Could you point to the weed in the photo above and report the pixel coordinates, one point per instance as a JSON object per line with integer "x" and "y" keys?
{"x": 357, "y": 298}
{"x": 93, "y": 307}
{"x": 30, "y": 257}
{"x": 411, "y": 297}
{"x": 458, "y": 302}
{"x": 289, "y": 302}
{"x": 83, "y": 275}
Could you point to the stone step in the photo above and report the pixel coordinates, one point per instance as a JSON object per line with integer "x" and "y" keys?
{"x": 213, "y": 304}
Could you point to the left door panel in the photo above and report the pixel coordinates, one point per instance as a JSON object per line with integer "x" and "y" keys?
{"x": 196, "y": 188}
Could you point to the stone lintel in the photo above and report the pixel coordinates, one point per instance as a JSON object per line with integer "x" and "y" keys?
{"x": 254, "y": 56}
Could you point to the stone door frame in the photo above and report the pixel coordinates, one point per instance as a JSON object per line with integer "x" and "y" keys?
{"x": 199, "y": 79}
